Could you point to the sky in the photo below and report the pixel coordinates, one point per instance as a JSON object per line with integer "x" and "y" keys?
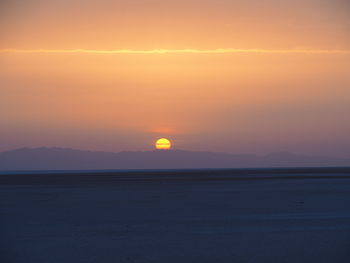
{"x": 233, "y": 76}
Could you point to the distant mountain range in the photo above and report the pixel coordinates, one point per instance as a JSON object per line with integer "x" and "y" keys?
{"x": 70, "y": 159}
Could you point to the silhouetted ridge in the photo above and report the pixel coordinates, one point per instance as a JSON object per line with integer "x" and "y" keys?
{"x": 70, "y": 159}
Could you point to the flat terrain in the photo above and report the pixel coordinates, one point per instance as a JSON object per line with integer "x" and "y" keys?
{"x": 297, "y": 215}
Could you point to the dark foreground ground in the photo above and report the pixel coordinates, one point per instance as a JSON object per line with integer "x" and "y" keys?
{"x": 300, "y": 215}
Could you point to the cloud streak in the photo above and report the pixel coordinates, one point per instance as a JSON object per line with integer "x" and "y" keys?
{"x": 180, "y": 51}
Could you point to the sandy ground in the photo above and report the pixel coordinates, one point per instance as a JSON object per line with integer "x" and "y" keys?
{"x": 148, "y": 219}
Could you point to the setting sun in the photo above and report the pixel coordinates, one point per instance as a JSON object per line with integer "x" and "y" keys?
{"x": 163, "y": 144}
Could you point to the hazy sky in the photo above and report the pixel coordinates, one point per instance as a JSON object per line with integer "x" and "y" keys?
{"x": 237, "y": 76}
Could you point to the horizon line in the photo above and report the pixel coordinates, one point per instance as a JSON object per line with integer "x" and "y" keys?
{"x": 180, "y": 51}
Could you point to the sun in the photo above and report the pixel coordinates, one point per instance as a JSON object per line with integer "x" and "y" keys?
{"x": 163, "y": 144}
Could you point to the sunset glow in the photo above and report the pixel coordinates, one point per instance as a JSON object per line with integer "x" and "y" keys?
{"x": 229, "y": 76}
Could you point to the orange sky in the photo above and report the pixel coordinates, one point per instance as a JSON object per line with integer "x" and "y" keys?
{"x": 280, "y": 82}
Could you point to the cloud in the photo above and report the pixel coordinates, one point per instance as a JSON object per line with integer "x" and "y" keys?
{"x": 180, "y": 51}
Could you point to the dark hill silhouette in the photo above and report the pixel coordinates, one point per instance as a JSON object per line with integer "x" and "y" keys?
{"x": 70, "y": 159}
